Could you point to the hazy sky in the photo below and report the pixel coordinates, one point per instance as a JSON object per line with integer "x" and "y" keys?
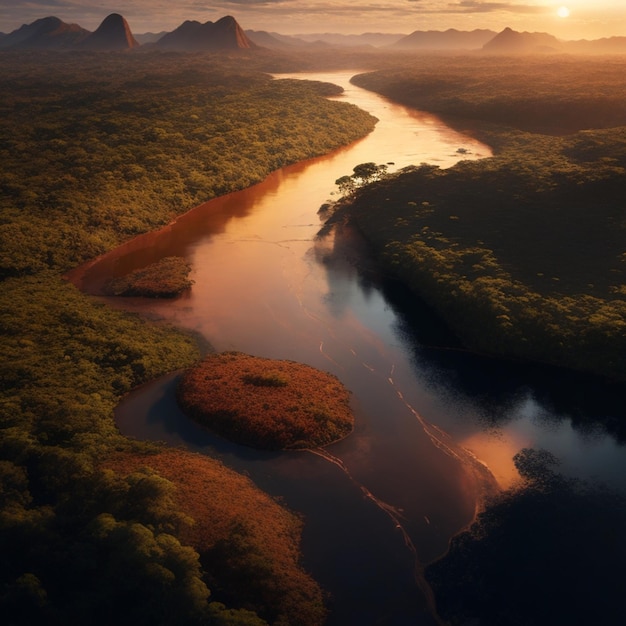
{"x": 586, "y": 19}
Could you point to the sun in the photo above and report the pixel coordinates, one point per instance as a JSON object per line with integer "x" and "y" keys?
{"x": 563, "y": 12}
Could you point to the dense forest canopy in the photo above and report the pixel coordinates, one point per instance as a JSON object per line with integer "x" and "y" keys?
{"x": 551, "y": 94}
{"x": 96, "y": 148}
{"x": 529, "y": 243}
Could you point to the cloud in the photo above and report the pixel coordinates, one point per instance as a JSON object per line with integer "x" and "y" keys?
{"x": 476, "y": 6}
{"x": 298, "y": 16}
{"x": 254, "y": 2}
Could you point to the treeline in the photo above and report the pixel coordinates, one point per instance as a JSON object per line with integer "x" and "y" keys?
{"x": 94, "y": 149}
{"x": 541, "y": 94}
{"x": 522, "y": 253}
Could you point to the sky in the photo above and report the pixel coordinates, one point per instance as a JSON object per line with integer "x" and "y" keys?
{"x": 583, "y": 19}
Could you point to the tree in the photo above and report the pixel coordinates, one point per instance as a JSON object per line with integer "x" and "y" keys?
{"x": 362, "y": 174}
{"x": 346, "y": 184}
{"x": 368, "y": 172}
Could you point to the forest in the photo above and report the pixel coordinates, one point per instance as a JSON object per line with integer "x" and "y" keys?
{"x": 96, "y": 148}
{"x": 547, "y": 94}
{"x": 528, "y": 243}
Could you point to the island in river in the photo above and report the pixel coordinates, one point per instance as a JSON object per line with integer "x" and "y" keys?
{"x": 266, "y": 403}
{"x": 167, "y": 278}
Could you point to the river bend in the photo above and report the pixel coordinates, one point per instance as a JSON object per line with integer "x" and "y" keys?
{"x": 385, "y": 501}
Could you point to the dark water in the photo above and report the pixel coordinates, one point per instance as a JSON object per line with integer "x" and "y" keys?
{"x": 436, "y": 427}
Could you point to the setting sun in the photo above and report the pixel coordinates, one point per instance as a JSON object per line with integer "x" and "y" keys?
{"x": 563, "y": 12}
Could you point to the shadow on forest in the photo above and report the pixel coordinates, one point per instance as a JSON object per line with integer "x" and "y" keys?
{"x": 551, "y": 553}
{"x": 494, "y": 385}
{"x": 491, "y": 385}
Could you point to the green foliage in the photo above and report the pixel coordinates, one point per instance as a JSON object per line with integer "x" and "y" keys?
{"x": 551, "y": 94}
{"x": 368, "y": 172}
{"x": 219, "y": 615}
{"x": 361, "y": 175}
{"x": 88, "y": 162}
{"x": 66, "y": 361}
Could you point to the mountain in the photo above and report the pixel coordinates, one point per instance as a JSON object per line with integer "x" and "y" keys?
{"x": 273, "y": 40}
{"x": 47, "y": 33}
{"x": 113, "y": 34}
{"x": 225, "y": 34}
{"x": 450, "y": 39}
{"x": 513, "y": 42}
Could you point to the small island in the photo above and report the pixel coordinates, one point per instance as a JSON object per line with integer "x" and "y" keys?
{"x": 166, "y": 278}
{"x": 266, "y": 403}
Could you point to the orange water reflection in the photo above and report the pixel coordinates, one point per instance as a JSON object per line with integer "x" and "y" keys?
{"x": 496, "y": 450}
{"x": 262, "y": 286}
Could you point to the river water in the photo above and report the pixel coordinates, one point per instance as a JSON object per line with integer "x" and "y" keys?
{"x": 436, "y": 428}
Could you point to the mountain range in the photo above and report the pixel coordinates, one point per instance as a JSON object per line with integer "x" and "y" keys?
{"x": 450, "y": 39}
{"x": 114, "y": 33}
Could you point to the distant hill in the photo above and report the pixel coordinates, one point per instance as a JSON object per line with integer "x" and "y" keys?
{"x": 510, "y": 41}
{"x": 225, "y": 34}
{"x": 365, "y": 39}
{"x": 48, "y": 33}
{"x": 144, "y": 38}
{"x": 608, "y": 45}
{"x": 113, "y": 34}
{"x": 450, "y": 39}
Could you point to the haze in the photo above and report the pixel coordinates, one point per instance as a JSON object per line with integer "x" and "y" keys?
{"x": 585, "y": 19}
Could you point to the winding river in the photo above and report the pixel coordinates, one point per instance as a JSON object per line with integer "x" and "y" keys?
{"x": 436, "y": 428}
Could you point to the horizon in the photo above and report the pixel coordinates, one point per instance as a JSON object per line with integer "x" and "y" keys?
{"x": 565, "y": 19}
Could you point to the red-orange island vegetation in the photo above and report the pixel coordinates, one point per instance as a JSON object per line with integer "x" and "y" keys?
{"x": 266, "y": 403}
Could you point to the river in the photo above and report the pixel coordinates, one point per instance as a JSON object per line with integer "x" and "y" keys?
{"x": 436, "y": 428}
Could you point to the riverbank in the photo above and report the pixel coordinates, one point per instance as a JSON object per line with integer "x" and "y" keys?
{"x": 263, "y": 287}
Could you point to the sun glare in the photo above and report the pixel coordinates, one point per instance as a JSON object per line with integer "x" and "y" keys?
{"x": 563, "y": 12}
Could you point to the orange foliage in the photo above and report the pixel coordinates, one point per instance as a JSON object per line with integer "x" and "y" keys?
{"x": 266, "y": 403}
{"x": 220, "y": 500}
